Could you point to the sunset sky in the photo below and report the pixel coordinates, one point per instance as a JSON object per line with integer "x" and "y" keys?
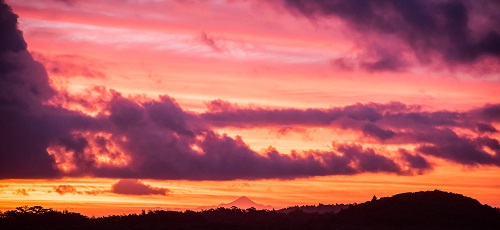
{"x": 110, "y": 107}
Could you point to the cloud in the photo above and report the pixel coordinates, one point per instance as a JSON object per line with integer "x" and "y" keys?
{"x": 29, "y": 124}
{"x": 64, "y": 189}
{"x": 446, "y": 144}
{"x": 375, "y": 131}
{"x": 95, "y": 192}
{"x": 368, "y": 160}
{"x": 130, "y": 138}
{"x": 211, "y": 42}
{"x": 67, "y": 2}
{"x": 393, "y": 123}
{"x": 12, "y": 38}
{"x": 70, "y": 65}
{"x": 232, "y": 115}
{"x": 24, "y": 85}
{"x": 417, "y": 162}
{"x": 458, "y": 31}
{"x": 489, "y": 112}
{"x": 385, "y": 62}
{"x": 68, "y": 189}
{"x": 22, "y": 192}
{"x": 357, "y": 116}
{"x": 136, "y": 187}
{"x": 382, "y": 61}
{"x": 482, "y": 128}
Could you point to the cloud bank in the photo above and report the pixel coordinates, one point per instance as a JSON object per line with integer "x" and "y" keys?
{"x": 141, "y": 138}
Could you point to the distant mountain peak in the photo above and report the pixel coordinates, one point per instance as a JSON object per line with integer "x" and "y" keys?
{"x": 241, "y": 202}
{"x": 244, "y": 202}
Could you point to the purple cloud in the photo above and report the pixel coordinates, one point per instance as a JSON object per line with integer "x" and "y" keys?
{"x": 446, "y": 144}
{"x": 375, "y": 131}
{"x": 391, "y": 123}
{"x": 416, "y": 162}
{"x": 447, "y": 28}
{"x": 136, "y": 187}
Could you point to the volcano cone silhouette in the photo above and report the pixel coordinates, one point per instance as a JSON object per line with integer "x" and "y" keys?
{"x": 245, "y": 203}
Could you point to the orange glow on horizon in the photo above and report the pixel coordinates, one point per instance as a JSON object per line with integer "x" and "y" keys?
{"x": 189, "y": 195}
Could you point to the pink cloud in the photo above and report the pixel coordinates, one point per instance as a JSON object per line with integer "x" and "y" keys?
{"x": 70, "y": 65}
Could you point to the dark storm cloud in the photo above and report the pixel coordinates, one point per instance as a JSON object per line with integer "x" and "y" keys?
{"x": 450, "y": 28}
{"x": 23, "y": 85}
{"x": 28, "y": 126}
{"x": 12, "y": 38}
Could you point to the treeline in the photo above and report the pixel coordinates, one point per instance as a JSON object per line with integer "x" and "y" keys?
{"x": 221, "y": 218}
{"x": 320, "y": 208}
{"x": 422, "y": 210}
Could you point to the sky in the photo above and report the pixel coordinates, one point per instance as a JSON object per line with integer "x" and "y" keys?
{"x": 110, "y": 107}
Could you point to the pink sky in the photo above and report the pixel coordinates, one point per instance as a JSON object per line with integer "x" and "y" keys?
{"x": 187, "y": 94}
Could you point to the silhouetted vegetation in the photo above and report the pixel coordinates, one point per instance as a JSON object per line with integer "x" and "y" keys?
{"x": 421, "y": 210}
{"x": 40, "y": 218}
{"x": 320, "y": 208}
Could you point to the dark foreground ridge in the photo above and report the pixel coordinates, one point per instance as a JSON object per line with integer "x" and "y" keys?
{"x": 420, "y": 210}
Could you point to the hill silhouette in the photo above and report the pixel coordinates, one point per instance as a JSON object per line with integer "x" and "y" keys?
{"x": 419, "y": 210}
